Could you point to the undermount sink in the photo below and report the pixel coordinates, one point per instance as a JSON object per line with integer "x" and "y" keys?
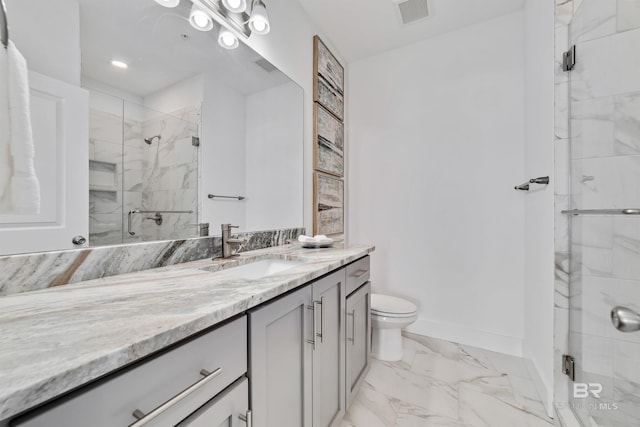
{"x": 258, "y": 269}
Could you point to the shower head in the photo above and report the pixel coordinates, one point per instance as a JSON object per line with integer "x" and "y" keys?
{"x": 150, "y": 140}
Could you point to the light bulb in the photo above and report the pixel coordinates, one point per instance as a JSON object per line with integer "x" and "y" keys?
{"x": 237, "y": 6}
{"x": 200, "y": 20}
{"x": 259, "y": 20}
{"x": 259, "y": 25}
{"x": 227, "y": 39}
{"x": 168, "y": 3}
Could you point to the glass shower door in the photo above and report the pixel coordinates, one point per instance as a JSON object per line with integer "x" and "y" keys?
{"x": 605, "y": 180}
{"x": 143, "y": 171}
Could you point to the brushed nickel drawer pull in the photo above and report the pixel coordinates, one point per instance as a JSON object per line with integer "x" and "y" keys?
{"x": 312, "y": 307}
{"x": 144, "y": 419}
{"x": 353, "y": 329}
{"x": 359, "y": 273}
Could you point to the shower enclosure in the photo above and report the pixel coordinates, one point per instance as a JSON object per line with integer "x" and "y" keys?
{"x": 604, "y": 237}
{"x": 143, "y": 171}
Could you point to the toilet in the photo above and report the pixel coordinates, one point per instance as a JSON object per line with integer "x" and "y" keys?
{"x": 388, "y": 316}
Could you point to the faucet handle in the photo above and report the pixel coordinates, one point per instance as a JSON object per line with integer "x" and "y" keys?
{"x": 234, "y": 226}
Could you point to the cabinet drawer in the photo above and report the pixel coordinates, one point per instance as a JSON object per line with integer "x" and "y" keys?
{"x": 226, "y": 409}
{"x": 357, "y": 274}
{"x": 158, "y": 380}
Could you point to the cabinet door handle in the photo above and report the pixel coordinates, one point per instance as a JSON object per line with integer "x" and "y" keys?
{"x": 321, "y": 334}
{"x": 248, "y": 418}
{"x": 353, "y": 328}
{"x": 312, "y": 307}
{"x": 359, "y": 273}
{"x": 144, "y": 419}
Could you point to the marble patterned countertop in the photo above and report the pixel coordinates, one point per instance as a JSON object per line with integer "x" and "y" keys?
{"x": 55, "y": 340}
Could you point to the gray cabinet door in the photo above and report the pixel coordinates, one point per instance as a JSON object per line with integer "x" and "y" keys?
{"x": 329, "y": 356}
{"x": 227, "y": 409}
{"x": 280, "y": 361}
{"x": 358, "y": 339}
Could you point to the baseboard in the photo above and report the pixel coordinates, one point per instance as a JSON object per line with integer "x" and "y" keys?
{"x": 544, "y": 390}
{"x": 468, "y": 336}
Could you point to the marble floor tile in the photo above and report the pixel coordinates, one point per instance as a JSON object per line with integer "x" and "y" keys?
{"x": 440, "y": 383}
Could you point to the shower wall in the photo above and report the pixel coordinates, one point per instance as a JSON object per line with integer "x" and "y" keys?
{"x": 598, "y": 131}
{"x": 169, "y": 170}
{"x": 126, "y": 173}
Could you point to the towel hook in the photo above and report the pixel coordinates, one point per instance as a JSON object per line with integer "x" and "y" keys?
{"x": 4, "y": 25}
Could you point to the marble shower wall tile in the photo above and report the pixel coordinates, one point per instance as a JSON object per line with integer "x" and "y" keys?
{"x": 32, "y": 272}
{"x": 170, "y": 174}
{"x": 603, "y": 183}
{"x": 592, "y": 20}
{"x": 607, "y": 66}
{"x": 598, "y": 295}
{"x": 628, "y": 15}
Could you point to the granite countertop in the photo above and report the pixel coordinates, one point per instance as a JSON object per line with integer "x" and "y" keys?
{"x": 55, "y": 340}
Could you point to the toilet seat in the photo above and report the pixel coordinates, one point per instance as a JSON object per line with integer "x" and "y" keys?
{"x": 388, "y": 306}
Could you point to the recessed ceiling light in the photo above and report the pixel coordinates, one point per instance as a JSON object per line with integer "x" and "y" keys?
{"x": 119, "y": 64}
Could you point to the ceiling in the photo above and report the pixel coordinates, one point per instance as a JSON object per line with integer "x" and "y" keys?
{"x": 161, "y": 49}
{"x": 362, "y": 28}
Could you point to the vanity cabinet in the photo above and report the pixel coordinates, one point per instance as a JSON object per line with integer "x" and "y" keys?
{"x": 297, "y": 357}
{"x": 228, "y": 409}
{"x": 162, "y": 390}
{"x": 329, "y": 356}
{"x": 280, "y": 361}
{"x": 358, "y": 339}
{"x": 358, "y": 326}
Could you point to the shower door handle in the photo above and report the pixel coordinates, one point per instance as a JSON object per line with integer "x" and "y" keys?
{"x": 624, "y": 319}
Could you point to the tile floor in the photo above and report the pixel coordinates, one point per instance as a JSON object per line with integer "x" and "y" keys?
{"x": 439, "y": 383}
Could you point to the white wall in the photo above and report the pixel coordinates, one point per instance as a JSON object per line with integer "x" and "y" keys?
{"x": 435, "y": 147}
{"x": 184, "y": 94}
{"x": 539, "y": 213}
{"x": 47, "y": 33}
{"x": 289, "y": 46}
{"x": 224, "y": 164}
{"x": 274, "y": 158}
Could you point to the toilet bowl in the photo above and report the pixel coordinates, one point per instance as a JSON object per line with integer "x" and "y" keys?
{"x": 388, "y": 316}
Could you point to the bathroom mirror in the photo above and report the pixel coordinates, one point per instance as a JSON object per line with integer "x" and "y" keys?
{"x": 170, "y": 118}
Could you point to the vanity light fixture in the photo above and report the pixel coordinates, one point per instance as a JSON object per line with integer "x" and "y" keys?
{"x": 259, "y": 20}
{"x": 236, "y": 6}
{"x": 119, "y": 64}
{"x": 199, "y": 19}
{"x": 227, "y": 39}
{"x": 168, "y": 3}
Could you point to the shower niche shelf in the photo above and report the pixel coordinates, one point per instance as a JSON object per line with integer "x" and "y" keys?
{"x": 103, "y": 175}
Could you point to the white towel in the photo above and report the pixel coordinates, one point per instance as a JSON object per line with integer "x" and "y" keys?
{"x": 24, "y": 189}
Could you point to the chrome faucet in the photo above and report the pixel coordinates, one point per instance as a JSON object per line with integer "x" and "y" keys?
{"x": 228, "y": 243}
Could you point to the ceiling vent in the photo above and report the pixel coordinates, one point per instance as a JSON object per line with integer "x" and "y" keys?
{"x": 265, "y": 65}
{"x": 412, "y": 10}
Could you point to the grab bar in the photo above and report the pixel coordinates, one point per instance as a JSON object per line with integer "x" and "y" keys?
{"x": 137, "y": 211}
{"x": 213, "y": 196}
{"x": 544, "y": 180}
{"x": 4, "y": 25}
{"x": 629, "y": 211}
